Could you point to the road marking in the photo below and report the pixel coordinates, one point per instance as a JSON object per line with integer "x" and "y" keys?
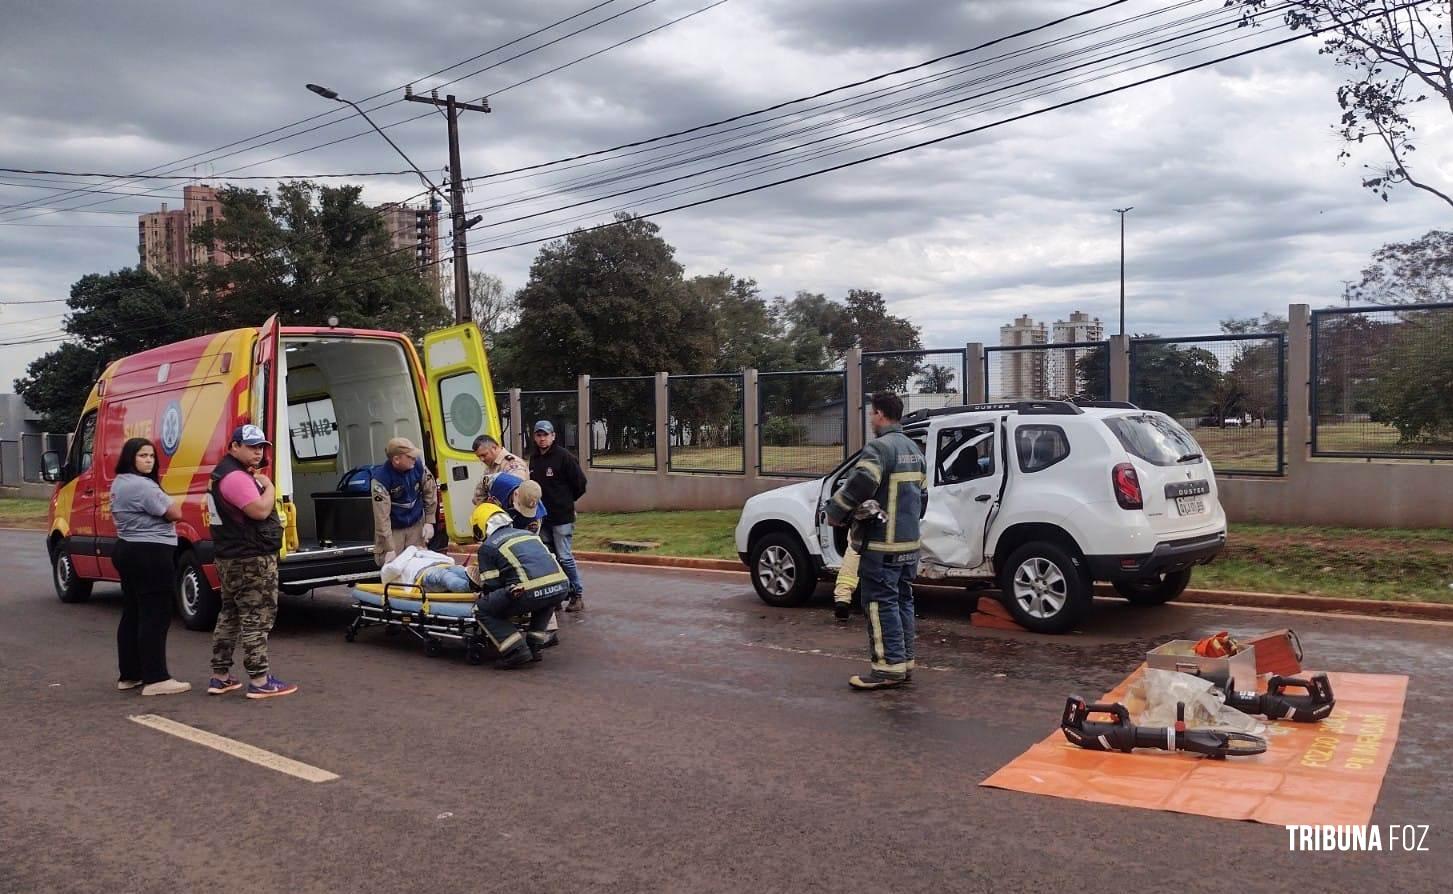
{"x": 237, "y": 749}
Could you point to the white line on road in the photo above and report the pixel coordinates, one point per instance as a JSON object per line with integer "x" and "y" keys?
{"x": 235, "y": 748}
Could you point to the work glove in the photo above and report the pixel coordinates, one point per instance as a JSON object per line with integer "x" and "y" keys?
{"x": 842, "y": 610}
{"x": 428, "y": 532}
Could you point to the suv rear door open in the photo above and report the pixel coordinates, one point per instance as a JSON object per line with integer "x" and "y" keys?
{"x": 965, "y": 475}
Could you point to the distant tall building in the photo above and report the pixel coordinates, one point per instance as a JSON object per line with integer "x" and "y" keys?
{"x": 1021, "y": 373}
{"x": 1062, "y": 364}
{"x": 164, "y": 238}
{"x": 418, "y": 228}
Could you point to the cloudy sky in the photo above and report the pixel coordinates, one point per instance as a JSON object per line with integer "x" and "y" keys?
{"x": 1241, "y": 205}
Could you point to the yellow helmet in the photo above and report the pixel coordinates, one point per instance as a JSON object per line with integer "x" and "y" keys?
{"x": 480, "y": 519}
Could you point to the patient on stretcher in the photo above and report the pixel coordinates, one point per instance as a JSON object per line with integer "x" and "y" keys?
{"x": 430, "y": 571}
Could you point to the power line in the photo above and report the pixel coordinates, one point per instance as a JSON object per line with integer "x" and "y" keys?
{"x": 195, "y": 177}
{"x": 173, "y": 166}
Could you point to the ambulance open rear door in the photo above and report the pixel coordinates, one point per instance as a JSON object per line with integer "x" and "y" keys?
{"x": 461, "y": 408}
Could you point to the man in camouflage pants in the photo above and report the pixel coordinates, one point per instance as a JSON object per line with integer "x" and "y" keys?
{"x": 247, "y": 535}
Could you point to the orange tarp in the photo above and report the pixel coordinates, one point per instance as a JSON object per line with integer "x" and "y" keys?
{"x": 1312, "y": 773}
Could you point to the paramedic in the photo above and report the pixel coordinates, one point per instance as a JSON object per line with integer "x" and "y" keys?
{"x": 496, "y": 459}
{"x": 247, "y": 535}
{"x": 405, "y": 499}
{"x": 517, "y": 575}
{"x": 891, "y": 470}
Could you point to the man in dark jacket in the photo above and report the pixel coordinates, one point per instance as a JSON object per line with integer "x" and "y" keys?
{"x": 517, "y": 576}
{"x": 557, "y": 471}
{"x": 891, "y": 469}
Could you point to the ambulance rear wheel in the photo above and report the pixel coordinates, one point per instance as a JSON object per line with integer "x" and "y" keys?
{"x": 68, "y": 586}
{"x": 197, "y": 602}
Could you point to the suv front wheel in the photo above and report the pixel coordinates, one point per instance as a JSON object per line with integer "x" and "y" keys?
{"x": 782, "y": 571}
{"x": 1044, "y": 588}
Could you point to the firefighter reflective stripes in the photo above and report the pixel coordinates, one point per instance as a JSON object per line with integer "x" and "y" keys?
{"x": 896, "y": 484}
{"x": 507, "y": 644}
{"x": 875, "y": 632}
{"x": 507, "y": 550}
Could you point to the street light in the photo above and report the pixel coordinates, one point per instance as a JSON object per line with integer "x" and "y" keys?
{"x": 333, "y": 94}
{"x": 1122, "y": 212}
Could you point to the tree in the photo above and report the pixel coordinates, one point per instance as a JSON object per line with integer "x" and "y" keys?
{"x": 1178, "y": 381}
{"x": 1413, "y": 388}
{"x": 935, "y": 378}
{"x": 111, "y": 315}
{"x": 493, "y": 309}
{"x": 1397, "y": 55}
{"x": 308, "y": 253}
{"x": 1415, "y": 272}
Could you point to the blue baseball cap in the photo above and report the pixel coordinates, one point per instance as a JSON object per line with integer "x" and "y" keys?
{"x": 250, "y": 436}
{"x": 546, "y": 426}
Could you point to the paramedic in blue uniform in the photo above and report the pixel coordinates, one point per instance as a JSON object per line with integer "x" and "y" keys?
{"x": 891, "y": 469}
{"x": 517, "y": 576}
{"x": 405, "y": 499}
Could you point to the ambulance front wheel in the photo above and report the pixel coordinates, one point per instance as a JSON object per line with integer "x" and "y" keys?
{"x": 68, "y": 586}
{"x": 197, "y": 602}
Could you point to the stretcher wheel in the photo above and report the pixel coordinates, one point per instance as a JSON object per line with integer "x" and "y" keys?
{"x": 350, "y": 636}
{"x": 474, "y": 655}
{"x": 433, "y": 649}
{"x": 391, "y": 631}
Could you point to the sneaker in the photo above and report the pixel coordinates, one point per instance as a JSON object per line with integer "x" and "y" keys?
{"x": 870, "y": 683}
{"x": 270, "y": 689}
{"x": 166, "y": 687}
{"x": 124, "y": 685}
{"x": 576, "y": 603}
{"x": 219, "y": 685}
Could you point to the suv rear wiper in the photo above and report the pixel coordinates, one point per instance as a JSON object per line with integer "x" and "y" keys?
{"x": 1189, "y": 458}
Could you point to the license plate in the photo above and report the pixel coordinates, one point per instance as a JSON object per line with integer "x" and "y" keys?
{"x": 1190, "y": 505}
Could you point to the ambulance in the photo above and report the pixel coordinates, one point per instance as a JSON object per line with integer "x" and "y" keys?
{"x": 328, "y": 398}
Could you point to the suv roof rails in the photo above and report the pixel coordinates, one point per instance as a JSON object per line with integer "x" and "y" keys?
{"x": 1104, "y": 404}
{"x": 1022, "y": 407}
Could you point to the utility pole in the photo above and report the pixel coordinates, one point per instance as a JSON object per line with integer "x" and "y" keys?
{"x": 1122, "y": 212}
{"x": 452, "y": 107}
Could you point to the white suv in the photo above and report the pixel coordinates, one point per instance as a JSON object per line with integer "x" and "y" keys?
{"x": 1047, "y": 497}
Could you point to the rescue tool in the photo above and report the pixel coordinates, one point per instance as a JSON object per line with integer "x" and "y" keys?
{"x": 1121, "y": 735}
{"x": 1276, "y": 704}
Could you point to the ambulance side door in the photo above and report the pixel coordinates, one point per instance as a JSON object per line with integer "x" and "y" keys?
{"x": 81, "y": 469}
{"x": 461, "y": 407}
{"x": 269, "y": 413}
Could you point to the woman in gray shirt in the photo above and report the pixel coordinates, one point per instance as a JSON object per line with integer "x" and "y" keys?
{"x": 145, "y": 552}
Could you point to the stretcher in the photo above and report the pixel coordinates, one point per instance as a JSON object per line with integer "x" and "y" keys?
{"x": 432, "y": 618}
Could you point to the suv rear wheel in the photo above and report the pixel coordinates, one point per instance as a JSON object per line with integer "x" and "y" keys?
{"x": 1044, "y": 588}
{"x": 1154, "y": 590}
{"x": 782, "y": 571}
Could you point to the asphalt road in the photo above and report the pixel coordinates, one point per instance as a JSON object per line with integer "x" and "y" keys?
{"x": 684, "y": 737}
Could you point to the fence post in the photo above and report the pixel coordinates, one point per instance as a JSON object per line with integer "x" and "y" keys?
{"x": 1120, "y": 367}
{"x": 976, "y": 388}
{"x": 853, "y": 385}
{"x": 518, "y": 424}
{"x": 751, "y": 416}
{"x": 582, "y": 419}
{"x": 663, "y": 423}
{"x": 1298, "y": 432}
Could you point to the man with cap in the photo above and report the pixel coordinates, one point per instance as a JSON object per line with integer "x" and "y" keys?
{"x": 246, "y": 534}
{"x": 561, "y": 482}
{"x": 405, "y": 499}
{"x": 519, "y": 497}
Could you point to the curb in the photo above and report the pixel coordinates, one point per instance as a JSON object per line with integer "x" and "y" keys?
{"x": 1330, "y": 604}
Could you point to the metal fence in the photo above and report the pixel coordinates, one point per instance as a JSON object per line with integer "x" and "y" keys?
{"x": 1382, "y": 382}
{"x": 506, "y": 431}
{"x": 706, "y": 424}
{"x": 1048, "y": 371}
{"x": 802, "y": 422}
{"x": 10, "y": 462}
{"x": 1228, "y": 390}
{"x": 561, "y": 408}
{"x": 622, "y": 416}
{"x": 926, "y": 379}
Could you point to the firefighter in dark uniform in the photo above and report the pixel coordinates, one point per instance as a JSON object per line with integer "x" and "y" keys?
{"x": 517, "y": 576}
{"x": 891, "y": 469}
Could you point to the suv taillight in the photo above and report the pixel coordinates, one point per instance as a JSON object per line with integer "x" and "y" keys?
{"x": 1127, "y": 486}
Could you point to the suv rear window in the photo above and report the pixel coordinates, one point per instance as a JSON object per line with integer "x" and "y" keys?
{"x": 1156, "y": 439}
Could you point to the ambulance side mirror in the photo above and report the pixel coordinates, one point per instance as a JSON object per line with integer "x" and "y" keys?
{"x": 50, "y": 466}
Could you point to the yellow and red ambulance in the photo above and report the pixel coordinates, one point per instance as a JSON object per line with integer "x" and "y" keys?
{"x": 329, "y": 399}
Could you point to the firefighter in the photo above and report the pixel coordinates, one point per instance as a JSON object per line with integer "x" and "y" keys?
{"x": 517, "y": 576}
{"x": 891, "y": 470}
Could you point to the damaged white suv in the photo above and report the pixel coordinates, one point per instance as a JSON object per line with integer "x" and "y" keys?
{"x": 1045, "y": 497}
